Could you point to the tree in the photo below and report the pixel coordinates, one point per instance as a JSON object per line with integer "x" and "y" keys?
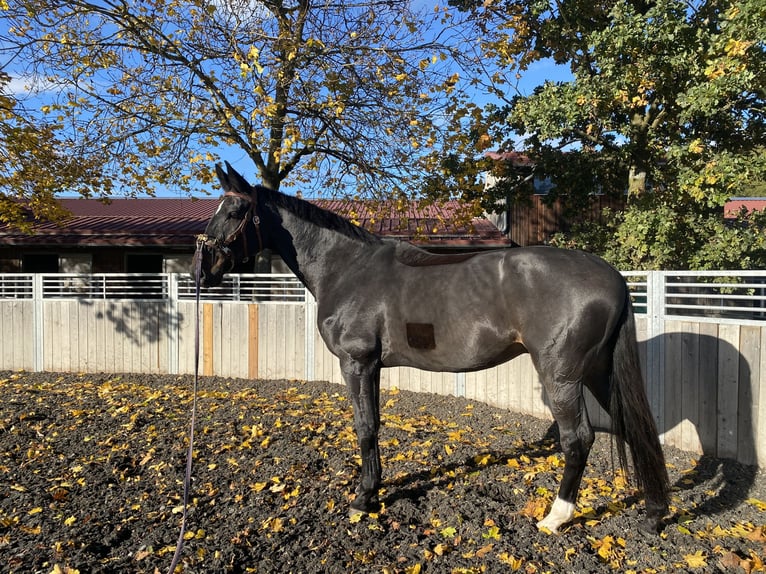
{"x": 332, "y": 94}
{"x": 667, "y": 102}
{"x": 33, "y": 167}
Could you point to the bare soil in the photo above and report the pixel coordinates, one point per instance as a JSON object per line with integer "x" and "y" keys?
{"x": 92, "y": 466}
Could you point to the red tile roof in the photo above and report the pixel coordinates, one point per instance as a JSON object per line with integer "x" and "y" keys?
{"x": 735, "y": 205}
{"x": 161, "y": 221}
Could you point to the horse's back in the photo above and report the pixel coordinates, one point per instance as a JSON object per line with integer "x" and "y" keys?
{"x": 413, "y": 256}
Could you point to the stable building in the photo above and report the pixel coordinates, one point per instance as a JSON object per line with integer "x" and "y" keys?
{"x": 157, "y": 235}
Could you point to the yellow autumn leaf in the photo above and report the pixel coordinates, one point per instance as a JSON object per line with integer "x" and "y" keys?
{"x": 696, "y": 146}
{"x": 71, "y": 520}
{"x": 259, "y": 486}
{"x": 483, "y": 459}
{"x": 736, "y": 47}
{"x": 605, "y": 547}
{"x": 484, "y": 550}
{"x": 355, "y": 517}
{"x": 510, "y": 560}
{"x": 413, "y": 569}
{"x": 696, "y": 560}
{"x": 441, "y": 549}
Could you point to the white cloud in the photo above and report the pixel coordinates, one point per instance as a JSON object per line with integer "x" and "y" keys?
{"x": 27, "y": 85}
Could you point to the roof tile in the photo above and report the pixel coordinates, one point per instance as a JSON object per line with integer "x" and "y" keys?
{"x": 177, "y": 221}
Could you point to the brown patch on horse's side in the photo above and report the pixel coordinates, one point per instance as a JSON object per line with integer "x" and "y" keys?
{"x": 421, "y": 336}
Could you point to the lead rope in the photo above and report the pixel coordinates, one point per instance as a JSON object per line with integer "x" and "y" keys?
{"x": 189, "y": 454}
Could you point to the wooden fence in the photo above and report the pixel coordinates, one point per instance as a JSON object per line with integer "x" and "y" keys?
{"x": 702, "y": 339}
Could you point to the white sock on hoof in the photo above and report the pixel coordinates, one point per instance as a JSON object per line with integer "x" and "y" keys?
{"x": 561, "y": 512}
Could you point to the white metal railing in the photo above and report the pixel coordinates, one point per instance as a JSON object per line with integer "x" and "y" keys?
{"x": 16, "y": 286}
{"x": 105, "y": 286}
{"x": 638, "y": 284}
{"x": 716, "y": 294}
{"x": 266, "y": 288}
{"x": 704, "y": 295}
{"x": 272, "y": 288}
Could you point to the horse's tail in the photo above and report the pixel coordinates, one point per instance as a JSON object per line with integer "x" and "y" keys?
{"x": 633, "y": 423}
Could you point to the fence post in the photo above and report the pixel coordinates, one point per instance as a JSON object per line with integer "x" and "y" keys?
{"x": 310, "y": 321}
{"x": 39, "y": 322}
{"x": 655, "y": 345}
{"x": 173, "y": 323}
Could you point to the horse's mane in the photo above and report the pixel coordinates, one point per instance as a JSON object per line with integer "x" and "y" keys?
{"x": 322, "y": 217}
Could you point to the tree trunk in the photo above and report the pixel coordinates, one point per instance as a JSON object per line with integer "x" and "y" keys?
{"x": 636, "y": 181}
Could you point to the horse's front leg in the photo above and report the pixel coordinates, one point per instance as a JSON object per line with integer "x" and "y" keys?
{"x": 363, "y": 382}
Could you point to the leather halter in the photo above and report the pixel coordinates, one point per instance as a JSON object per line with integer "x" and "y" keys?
{"x": 223, "y": 245}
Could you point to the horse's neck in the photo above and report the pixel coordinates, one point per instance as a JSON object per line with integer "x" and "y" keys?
{"x": 315, "y": 254}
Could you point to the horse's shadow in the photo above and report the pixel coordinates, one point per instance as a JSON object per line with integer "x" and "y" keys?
{"x": 699, "y": 371}
{"x": 414, "y": 486}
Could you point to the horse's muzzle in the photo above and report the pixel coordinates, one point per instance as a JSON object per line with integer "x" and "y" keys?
{"x": 210, "y": 263}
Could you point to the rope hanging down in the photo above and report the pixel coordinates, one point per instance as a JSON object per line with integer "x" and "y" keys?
{"x": 189, "y": 454}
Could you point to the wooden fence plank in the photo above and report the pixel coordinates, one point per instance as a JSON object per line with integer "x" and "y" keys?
{"x": 207, "y": 339}
{"x": 760, "y": 382}
{"x": 673, "y": 384}
{"x": 252, "y": 341}
{"x": 223, "y": 347}
{"x": 749, "y": 373}
{"x": 728, "y": 389}
{"x": 690, "y": 388}
{"x": 707, "y": 428}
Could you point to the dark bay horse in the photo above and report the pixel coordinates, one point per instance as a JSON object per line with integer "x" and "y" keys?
{"x": 385, "y": 303}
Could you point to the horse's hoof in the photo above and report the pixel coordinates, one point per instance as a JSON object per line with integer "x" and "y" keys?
{"x": 365, "y": 505}
{"x": 651, "y": 525}
{"x": 561, "y": 513}
{"x": 546, "y": 529}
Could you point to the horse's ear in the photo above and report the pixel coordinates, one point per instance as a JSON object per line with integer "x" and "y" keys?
{"x": 236, "y": 181}
{"x": 223, "y": 177}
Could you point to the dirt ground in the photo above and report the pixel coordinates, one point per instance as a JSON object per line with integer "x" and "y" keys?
{"x": 91, "y": 473}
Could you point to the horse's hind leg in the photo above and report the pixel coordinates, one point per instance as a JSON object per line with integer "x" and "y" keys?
{"x": 568, "y": 406}
{"x": 363, "y": 383}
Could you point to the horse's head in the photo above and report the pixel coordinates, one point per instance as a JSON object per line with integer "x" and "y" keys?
{"x": 231, "y": 234}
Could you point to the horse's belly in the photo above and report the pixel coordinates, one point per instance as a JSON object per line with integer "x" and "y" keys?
{"x": 431, "y": 352}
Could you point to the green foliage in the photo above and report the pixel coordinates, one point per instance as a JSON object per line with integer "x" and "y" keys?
{"x": 666, "y": 237}
{"x": 668, "y": 95}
